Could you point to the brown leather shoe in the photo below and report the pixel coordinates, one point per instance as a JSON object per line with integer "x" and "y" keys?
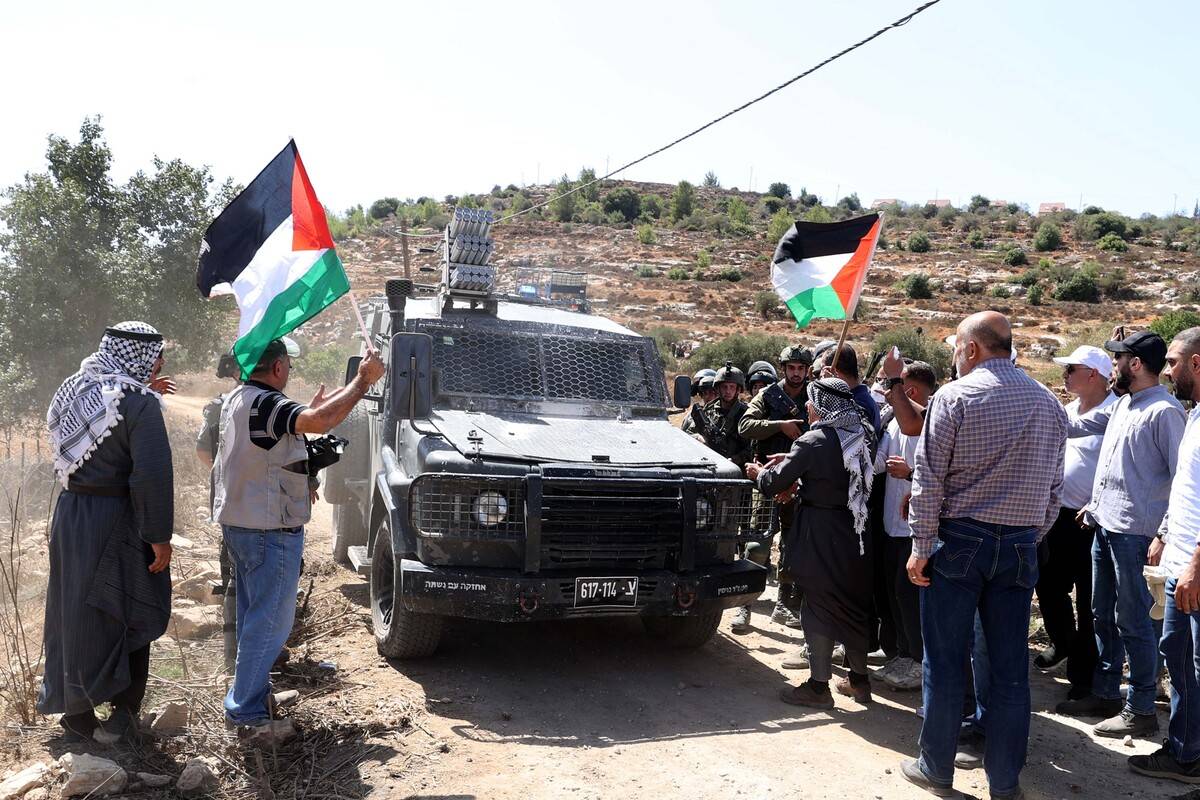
{"x": 861, "y": 692}
{"x": 806, "y": 695}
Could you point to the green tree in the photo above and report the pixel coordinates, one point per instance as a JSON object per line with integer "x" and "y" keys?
{"x": 738, "y": 213}
{"x": 382, "y": 207}
{"x": 590, "y": 193}
{"x": 652, "y": 206}
{"x": 917, "y": 287}
{"x": 645, "y": 234}
{"x": 1048, "y": 237}
{"x": 766, "y": 304}
{"x": 818, "y": 214}
{"x": 711, "y": 180}
{"x": 978, "y": 203}
{"x": 1014, "y": 257}
{"x": 703, "y": 259}
{"x": 850, "y": 203}
{"x": 1170, "y": 324}
{"x": 1113, "y": 243}
{"x": 917, "y": 347}
{"x": 564, "y": 202}
{"x": 918, "y": 242}
{"x": 780, "y": 190}
{"x": 625, "y": 201}
{"x": 683, "y": 201}
{"x": 780, "y": 224}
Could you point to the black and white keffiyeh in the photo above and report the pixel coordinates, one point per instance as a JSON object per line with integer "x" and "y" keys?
{"x": 835, "y": 403}
{"x": 84, "y": 409}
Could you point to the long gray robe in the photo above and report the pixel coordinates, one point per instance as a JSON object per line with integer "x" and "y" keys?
{"x": 822, "y": 548}
{"x": 102, "y": 603}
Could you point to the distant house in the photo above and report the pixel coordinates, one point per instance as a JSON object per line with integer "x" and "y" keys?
{"x": 1051, "y": 208}
{"x": 943, "y": 203}
{"x": 887, "y": 201}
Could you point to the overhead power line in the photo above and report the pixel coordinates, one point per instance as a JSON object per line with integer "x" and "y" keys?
{"x": 898, "y": 23}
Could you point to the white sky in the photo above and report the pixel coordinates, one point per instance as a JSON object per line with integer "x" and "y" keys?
{"x": 1022, "y": 100}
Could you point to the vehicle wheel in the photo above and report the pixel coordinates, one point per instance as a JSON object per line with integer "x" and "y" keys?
{"x": 349, "y": 529}
{"x": 355, "y": 463}
{"x": 683, "y": 632}
{"x": 398, "y": 633}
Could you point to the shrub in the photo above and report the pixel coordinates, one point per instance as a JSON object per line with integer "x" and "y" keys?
{"x": 818, "y": 214}
{"x": 1001, "y": 291}
{"x": 1035, "y": 294}
{"x": 1090, "y": 227}
{"x": 780, "y": 224}
{"x": 678, "y": 274}
{"x": 652, "y": 206}
{"x": 564, "y": 202}
{"x": 646, "y": 272}
{"x": 774, "y": 204}
{"x": 917, "y": 287}
{"x": 624, "y": 201}
{"x": 778, "y": 189}
{"x": 978, "y": 202}
{"x": 742, "y": 349}
{"x": 711, "y": 180}
{"x": 975, "y": 239}
{"x": 739, "y": 215}
{"x": 731, "y": 274}
{"x": 918, "y": 242}
{"x": 1112, "y": 243}
{"x": 807, "y": 198}
{"x": 382, "y": 207}
{"x": 592, "y": 214}
{"x": 766, "y": 304}
{"x": 1015, "y": 257}
{"x": 1048, "y": 237}
{"x": 1012, "y": 208}
{"x": 590, "y": 193}
{"x": 850, "y": 203}
{"x": 915, "y": 346}
{"x": 1030, "y": 277}
{"x": 1080, "y": 287}
{"x": 946, "y": 216}
{"x": 665, "y": 338}
{"x": 519, "y": 203}
{"x": 1170, "y": 324}
{"x": 683, "y": 201}
{"x": 645, "y": 234}
{"x": 703, "y": 259}
{"x": 616, "y": 218}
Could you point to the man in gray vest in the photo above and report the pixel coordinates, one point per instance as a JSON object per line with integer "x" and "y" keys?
{"x": 262, "y": 501}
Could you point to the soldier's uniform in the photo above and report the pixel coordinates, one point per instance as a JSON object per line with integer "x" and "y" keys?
{"x": 702, "y": 381}
{"x": 718, "y": 425}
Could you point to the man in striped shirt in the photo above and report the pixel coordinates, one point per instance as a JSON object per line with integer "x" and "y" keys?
{"x": 989, "y": 470}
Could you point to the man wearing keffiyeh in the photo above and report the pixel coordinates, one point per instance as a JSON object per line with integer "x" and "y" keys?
{"x": 109, "y": 593}
{"x": 828, "y": 548}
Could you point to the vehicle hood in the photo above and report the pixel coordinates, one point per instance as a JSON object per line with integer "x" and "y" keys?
{"x": 636, "y": 442}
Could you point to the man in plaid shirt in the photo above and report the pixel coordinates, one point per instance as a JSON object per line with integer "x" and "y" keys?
{"x": 989, "y": 469}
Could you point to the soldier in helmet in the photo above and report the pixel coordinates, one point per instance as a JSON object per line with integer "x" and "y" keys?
{"x": 720, "y": 417}
{"x": 760, "y": 375}
{"x": 773, "y": 420}
{"x": 703, "y": 391}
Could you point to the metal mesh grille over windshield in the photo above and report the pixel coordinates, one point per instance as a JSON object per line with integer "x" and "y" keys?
{"x": 530, "y": 365}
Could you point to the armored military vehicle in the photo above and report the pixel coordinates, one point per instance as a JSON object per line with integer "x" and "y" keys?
{"x": 516, "y": 463}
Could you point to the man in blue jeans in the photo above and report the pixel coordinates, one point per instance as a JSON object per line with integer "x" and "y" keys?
{"x": 989, "y": 469}
{"x": 1179, "y": 757}
{"x": 262, "y": 499}
{"x": 1129, "y": 498}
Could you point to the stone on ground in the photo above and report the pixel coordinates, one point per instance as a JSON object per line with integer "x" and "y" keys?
{"x": 199, "y": 777}
{"x": 88, "y": 774}
{"x": 152, "y": 781}
{"x": 172, "y": 720}
{"x": 198, "y": 622}
{"x": 17, "y": 785}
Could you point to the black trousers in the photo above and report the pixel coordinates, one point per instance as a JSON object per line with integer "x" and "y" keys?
{"x": 1068, "y": 566}
{"x": 130, "y": 698}
{"x": 905, "y": 598}
{"x": 883, "y": 624}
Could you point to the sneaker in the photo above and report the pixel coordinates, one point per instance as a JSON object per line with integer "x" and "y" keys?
{"x": 878, "y": 657}
{"x": 887, "y": 669}
{"x": 280, "y": 700}
{"x": 782, "y": 615}
{"x": 860, "y": 692}
{"x": 1049, "y": 658}
{"x": 807, "y": 694}
{"x": 969, "y": 754}
{"x": 1161, "y": 764}
{"x": 1090, "y": 706}
{"x": 741, "y": 620}
{"x": 911, "y": 771}
{"x": 1127, "y": 723}
{"x": 906, "y": 678}
{"x": 267, "y": 734}
{"x": 797, "y": 659}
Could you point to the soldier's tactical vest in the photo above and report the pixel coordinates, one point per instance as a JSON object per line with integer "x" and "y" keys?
{"x": 257, "y": 488}
{"x": 779, "y": 407}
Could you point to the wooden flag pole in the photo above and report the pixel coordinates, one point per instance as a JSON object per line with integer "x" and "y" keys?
{"x": 362, "y": 325}
{"x": 841, "y": 341}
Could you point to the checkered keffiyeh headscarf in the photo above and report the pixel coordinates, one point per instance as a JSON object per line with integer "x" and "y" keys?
{"x": 84, "y": 409}
{"x": 835, "y": 403}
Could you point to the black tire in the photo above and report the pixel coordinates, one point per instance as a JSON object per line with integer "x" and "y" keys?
{"x": 349, "y": 530}
{"x": 686, "y": 633}
{"x": 355, "y": 463}
{"x": 398, "y": 633}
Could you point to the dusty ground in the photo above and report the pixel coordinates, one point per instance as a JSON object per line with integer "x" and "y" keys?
{"x": 588, "y": 709}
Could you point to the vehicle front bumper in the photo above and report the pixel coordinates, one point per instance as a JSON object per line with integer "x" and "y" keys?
{"x": 507, "y": 596}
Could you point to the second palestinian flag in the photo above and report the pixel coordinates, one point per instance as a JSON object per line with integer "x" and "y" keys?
{"x": 819, "y": 267}
{"x": 272, "y": 250}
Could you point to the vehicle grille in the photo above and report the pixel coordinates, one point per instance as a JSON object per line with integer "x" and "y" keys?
{"x": 633, "y": 525}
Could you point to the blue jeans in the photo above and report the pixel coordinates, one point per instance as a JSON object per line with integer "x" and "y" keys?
{"x": 1121, "y": 604}
{"x": 267, "y": 572}
{"x": 990, "y": 569}
{"x": 1180, "y": 645}
{"x": 982, "y": 676}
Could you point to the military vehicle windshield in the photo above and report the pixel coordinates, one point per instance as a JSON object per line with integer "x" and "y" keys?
{"x": 545, "y": 363}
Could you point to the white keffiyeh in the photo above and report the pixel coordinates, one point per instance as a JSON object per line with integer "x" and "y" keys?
{"x": 85, "y": 408}
{"x": 833, "y": 400}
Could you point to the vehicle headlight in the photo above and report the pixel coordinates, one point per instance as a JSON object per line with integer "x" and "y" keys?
{"x": 490, "y": 508}
{"x": 704, "y": 513}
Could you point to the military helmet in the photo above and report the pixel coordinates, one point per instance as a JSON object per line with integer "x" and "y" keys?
{"x": 795, "y": 352}
{"x": 761, "y": 372}
{"x": 702, "y": 377}
{"x": 730, "y": 373}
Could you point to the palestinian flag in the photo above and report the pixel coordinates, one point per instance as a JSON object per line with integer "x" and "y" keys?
{"x": 819, "y": 267}
{"x": 272, "y": 250}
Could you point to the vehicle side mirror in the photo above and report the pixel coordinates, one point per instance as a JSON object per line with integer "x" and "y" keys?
{"x": 411, "y": 378}
{"x": 682, "y": 395}
{"x": 351, "y": 369}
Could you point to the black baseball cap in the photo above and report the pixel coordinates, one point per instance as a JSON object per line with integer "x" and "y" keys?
{"x": 1146, "y": 345}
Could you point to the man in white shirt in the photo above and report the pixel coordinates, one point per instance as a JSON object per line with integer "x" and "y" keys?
{"x": 1175, "y": 549}
{"x": 896, "y": 456}
{"x": 1067, "y": 548}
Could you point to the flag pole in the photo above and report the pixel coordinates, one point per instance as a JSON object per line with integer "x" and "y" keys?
{"x": 841, "y": 341}
{"x": 362, "y": 326}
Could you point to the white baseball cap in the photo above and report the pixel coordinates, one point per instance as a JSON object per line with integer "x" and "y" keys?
{"x": 1088, "y": 356}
